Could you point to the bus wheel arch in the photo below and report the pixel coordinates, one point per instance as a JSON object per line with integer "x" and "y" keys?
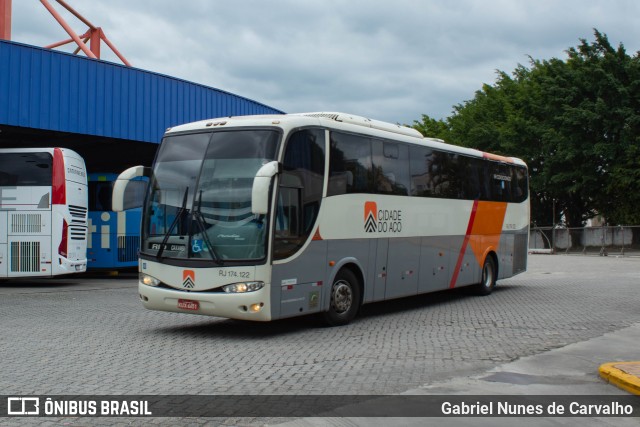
{"x": 355, "y": 269}
{"x": 345, "y": 295}
{"x": 488, "y": 275}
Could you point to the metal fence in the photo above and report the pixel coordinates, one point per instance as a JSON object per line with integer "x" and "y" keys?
{"x": 603, "y": 241}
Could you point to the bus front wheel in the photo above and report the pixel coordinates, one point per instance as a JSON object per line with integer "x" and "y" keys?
{"x": 344, "y": 299}
{"x": 488, "y": 281}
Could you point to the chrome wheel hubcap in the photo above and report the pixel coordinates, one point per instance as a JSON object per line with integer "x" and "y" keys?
{"x": 342, "y": 297}
{"x": 487, "y": 275}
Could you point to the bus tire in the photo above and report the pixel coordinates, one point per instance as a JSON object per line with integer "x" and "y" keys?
{"x": 344, "y": 299}
{"x": 488, "y": 279}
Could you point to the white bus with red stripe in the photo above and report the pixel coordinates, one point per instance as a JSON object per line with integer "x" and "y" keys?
{"x": 43, "y": 212}
{"x": 269, "y": 217}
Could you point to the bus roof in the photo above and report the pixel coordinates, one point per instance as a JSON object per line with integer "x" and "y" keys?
{"x": 339, "y": 121}
{"x": 65, "y": 151}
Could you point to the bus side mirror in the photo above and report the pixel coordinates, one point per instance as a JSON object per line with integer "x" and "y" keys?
{"x": 119, "y": 187}
{"x": 260, "y": 190}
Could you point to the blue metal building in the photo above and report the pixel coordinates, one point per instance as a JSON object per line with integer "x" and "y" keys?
{"x": 114, "y": 116}
{"x": 99, "y": 108}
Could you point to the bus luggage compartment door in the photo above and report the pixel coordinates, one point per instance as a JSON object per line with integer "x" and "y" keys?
{"x": 403, "y": 267}
{"x": 380, "y": 270}
{"x": 29, "y": 256}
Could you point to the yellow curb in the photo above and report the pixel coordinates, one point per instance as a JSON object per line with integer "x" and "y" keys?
{"x": 621, "y": 374}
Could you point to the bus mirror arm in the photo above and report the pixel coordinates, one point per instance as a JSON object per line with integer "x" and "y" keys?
{"x": 120, "y": 185}
{"x": 260, "y": 189}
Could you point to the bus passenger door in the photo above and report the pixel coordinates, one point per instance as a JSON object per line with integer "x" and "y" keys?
{"x": 380, "y": 269}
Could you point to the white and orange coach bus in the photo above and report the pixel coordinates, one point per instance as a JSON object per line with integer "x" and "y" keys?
{"x": 269, "y": 217}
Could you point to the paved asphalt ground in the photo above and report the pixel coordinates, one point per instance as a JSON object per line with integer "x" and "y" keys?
{"x": 90, "y": 335}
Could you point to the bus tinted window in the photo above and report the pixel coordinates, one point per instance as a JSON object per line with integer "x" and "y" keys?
{"x": 100, "y": 195}
{"x": 22, "y": 169}
{"x": 134, "y": 194}
{"x": 454, "y": 176}
{"x": 361, "y": 165}
{"x": 520, "y": 184}
{"x": 500, "y": 181}
{"x": 421, "y": 168}
{"x": 351, "y": 168}
{"x": 446, "y": 175}
{"x": 473, "y": 178}
{"x": 390, "y": 161}
{"x": 300, "y": 191}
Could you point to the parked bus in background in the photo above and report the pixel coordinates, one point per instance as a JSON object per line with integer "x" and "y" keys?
{"x": 43, "y": 212}
{"x": 269, "y": 217}
{"x": 114, "y": 237}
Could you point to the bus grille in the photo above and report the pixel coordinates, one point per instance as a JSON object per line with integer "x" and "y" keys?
{"x": 78, "y": 226}
{"x": 128, "y": 247}
{"x": 77, "y": 232}
{"x": 25, "y": 257}
{"x": 78, "y": 212}
{"x": 26, "y": 223}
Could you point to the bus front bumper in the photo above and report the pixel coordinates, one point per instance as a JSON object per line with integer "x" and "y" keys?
{"x": 247, "y": 306}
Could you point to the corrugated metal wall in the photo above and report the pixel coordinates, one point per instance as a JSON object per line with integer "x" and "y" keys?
{"x": 46, "y": 89}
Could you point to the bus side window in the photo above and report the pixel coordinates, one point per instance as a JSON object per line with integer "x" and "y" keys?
{"x": 519, "y": 185}
{"x": 134, "y": 194}
{"x": 288, "y": 212}
{"x": 500, "y": 178}
{"x": 444, "y": 175}
{"x": 300, "y": 191}
{"x": 474, "y": 174}
{"x": 391, "y": 168}
{"x": 420, "y": 165}
{"x": 350, "y": 166}
{"x": 104, "y": 197}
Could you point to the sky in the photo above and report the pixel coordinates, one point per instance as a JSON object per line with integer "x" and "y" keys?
{"x": 392, "y": 60}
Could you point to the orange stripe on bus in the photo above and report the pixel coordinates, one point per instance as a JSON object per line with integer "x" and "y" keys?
{"x": 487, "y": 228}
{"x": 465, "y": 242}
{"x": 483, "y": 232}
{"x": 498, "y": 158}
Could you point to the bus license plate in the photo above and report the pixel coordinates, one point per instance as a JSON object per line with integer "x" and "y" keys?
{"x": 187, "y": 304}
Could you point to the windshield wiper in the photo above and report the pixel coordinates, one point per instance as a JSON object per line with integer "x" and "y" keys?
{"x": 199, "y": 218}
{"x": 181, "y": 212}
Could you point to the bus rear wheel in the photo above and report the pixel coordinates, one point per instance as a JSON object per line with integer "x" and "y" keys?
{"x": 488, "y": 280}
{"x": 344, "y": 299}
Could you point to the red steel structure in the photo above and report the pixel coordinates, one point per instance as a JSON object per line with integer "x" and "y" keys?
{"x": 94, "y": 35}
{"x": 5, "y": 19}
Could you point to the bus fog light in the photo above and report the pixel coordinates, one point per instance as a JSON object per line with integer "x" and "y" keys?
{"x": 148, "y": 280}
{"x": 254, "y": 308}
{"x": 242, "y": 287}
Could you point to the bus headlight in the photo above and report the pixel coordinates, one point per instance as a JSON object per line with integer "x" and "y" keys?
{"x": 242, "y": 287}
{"x": 148, "y": 280}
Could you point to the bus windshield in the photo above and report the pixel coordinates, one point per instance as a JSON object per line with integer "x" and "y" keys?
{"x": 199, "y": 201}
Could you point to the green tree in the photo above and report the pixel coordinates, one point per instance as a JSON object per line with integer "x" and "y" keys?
{"x": 576, "y": 122}
{"x": 432, "y": 128}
